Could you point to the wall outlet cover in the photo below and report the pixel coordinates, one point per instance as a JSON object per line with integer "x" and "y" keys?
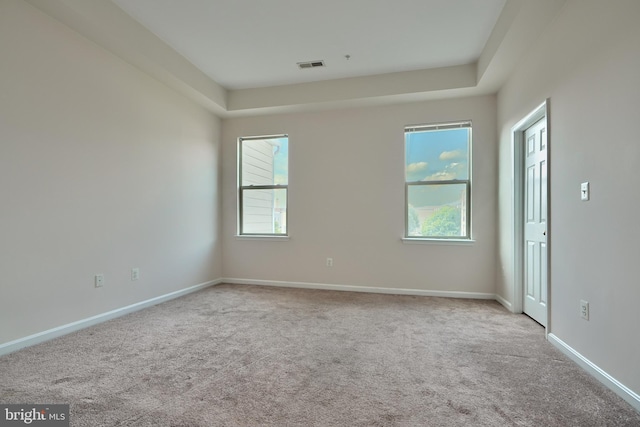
{"x": 584, "y": 309}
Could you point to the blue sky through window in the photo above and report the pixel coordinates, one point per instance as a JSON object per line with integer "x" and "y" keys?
{"x": 437, "y": 155}
{"x": 281, "y": 161}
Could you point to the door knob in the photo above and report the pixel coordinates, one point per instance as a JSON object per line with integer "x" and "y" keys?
{"x": 544, "y": 233}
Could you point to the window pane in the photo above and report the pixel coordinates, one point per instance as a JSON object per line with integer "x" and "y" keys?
{"x": 265, "y": 161}
{"x": 437, "y": 210}
{"x": 437, "y": 155}
{"x": 264, "y": 211}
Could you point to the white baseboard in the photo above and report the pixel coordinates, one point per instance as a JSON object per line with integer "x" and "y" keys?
{"x": 504, "y": 302}
{"x": 368, "y": 289}
{"x": 614, "y": 385}
{"x": 47, "y": 335}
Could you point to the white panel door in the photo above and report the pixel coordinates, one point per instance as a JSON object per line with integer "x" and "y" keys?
{"x": 535, "y": 222}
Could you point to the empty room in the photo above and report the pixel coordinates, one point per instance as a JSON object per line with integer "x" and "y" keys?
{"x": 304, "y": 213}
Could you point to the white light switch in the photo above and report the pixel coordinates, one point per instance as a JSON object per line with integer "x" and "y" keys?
{"x": 99, "y": 280}
{"x": 584, "y": 191}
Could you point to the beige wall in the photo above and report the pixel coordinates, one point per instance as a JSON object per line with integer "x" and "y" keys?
{"x": 346, "y": 201}
{"x": 588, "y": 64}
{"x": 102, "y": 169}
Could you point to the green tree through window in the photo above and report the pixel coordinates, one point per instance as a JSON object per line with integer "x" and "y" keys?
{"x": 444, "y": 222}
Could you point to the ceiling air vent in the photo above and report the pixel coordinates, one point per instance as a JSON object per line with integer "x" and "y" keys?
{"x": 310, "y": 64}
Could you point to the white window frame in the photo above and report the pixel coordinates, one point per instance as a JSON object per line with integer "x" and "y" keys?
{"x": 242, "y": 188}
{"x": 464, "y": 124}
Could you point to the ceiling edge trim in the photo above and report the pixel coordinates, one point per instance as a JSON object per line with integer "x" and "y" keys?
{"x": 354, "y": 88}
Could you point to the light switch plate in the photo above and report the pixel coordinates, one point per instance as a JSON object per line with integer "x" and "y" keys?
{"x": 584, "y": 191}
{"x": 99, "y": 280}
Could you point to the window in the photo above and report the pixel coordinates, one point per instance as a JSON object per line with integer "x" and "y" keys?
{"x": 263, "y": 170}
{"x": 437, "y": 181}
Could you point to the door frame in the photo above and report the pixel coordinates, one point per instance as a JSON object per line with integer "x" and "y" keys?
{"x": 517, "y": 143}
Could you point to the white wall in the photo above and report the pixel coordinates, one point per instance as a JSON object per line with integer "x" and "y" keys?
{"x": 588, "y": 64}
{"x": 346, "y": 201}
{"x": 102, "y": 169}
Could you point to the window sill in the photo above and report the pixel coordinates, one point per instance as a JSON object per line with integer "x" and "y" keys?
{"x": 421, "y": 241}
{"x": 261, "y": 237}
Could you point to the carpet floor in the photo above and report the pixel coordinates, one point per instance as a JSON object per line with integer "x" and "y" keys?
{"x": 235, "y": 355}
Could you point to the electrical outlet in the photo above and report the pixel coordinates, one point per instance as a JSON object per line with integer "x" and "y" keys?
{"x": 329, "y": 262}
{"x": 584, "y": 309}
{"x": 99, "y": 280}
{"x": 135, "y": 273}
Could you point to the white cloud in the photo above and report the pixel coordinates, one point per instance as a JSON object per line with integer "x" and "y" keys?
{"x": 450, "y": 172}
{"x": 441, "y": 176}
{"x": 417, "y": 167}
{"x": 451, "y": 155}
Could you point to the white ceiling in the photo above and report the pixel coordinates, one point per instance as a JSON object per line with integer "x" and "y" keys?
{"x": 244, "y": 44}
{"x": 238, "y": 57}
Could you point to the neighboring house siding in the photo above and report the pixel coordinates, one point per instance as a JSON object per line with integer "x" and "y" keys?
{"x": 257, "y": 169}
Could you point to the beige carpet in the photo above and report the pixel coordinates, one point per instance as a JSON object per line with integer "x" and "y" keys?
{"x": 248, "y": 356}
